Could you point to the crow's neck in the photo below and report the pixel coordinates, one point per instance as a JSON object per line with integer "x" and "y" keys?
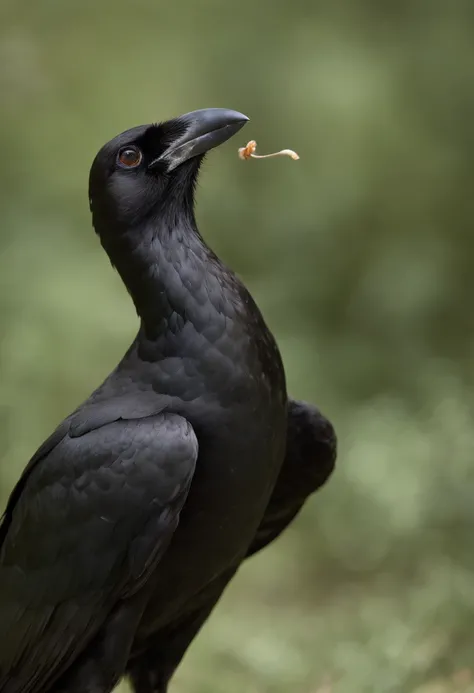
{"x": 171, "y": 274}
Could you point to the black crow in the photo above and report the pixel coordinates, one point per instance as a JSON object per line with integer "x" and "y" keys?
{"x": 131, "y": 518}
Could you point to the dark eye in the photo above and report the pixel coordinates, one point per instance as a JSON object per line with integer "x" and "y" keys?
{"x": 130, "y": 157}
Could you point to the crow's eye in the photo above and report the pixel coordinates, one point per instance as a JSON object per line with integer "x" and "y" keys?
{"x": 129, "y": 157}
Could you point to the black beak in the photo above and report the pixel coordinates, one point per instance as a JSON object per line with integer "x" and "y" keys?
{"x": 205, "y": 129}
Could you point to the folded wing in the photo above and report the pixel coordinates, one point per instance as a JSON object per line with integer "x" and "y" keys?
{"x": 309, "y": 461}
{"x": 84, "y": 528}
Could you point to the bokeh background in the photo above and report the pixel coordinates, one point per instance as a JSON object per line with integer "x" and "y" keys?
{"x": 361, "y": 256}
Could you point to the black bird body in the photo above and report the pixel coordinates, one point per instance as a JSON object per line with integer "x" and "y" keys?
{"x": 131, "y": 518}
{"x": 228, "y": 382}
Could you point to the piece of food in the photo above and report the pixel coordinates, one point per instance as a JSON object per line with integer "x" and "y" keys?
{"x": 248, "y": 152}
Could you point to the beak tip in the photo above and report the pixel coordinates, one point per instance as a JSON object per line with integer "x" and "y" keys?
{"x": 238, "y": 117}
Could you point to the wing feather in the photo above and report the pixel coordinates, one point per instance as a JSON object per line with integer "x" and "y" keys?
{"x": 87, "y": 527}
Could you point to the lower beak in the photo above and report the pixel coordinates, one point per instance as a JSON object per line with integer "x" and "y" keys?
{"x": 205, "y": 129}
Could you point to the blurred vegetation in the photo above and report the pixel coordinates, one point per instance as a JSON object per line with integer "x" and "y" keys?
{"x": 361, "y": 256}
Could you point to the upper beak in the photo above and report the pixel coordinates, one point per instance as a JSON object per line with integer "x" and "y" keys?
{"x": 205, "y": 129}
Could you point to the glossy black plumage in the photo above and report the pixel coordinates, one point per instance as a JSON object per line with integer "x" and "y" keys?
{"x": 132, "y": 517}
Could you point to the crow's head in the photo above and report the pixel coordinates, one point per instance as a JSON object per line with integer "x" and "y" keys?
{"x": 152, "y": 169}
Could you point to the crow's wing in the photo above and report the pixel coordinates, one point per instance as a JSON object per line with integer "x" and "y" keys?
{"x": 311, "y": 450}
{"x": 89, "y": 416}
{"x": 86, "y": 526}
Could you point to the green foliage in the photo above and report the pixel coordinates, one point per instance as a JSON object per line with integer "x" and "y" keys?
{"x": 360, "y": 256}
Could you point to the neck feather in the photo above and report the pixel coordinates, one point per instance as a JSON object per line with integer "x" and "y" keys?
{"x": 171, "y": 274}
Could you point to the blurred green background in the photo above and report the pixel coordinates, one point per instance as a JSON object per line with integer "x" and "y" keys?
{"x": 361, "y": 256}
